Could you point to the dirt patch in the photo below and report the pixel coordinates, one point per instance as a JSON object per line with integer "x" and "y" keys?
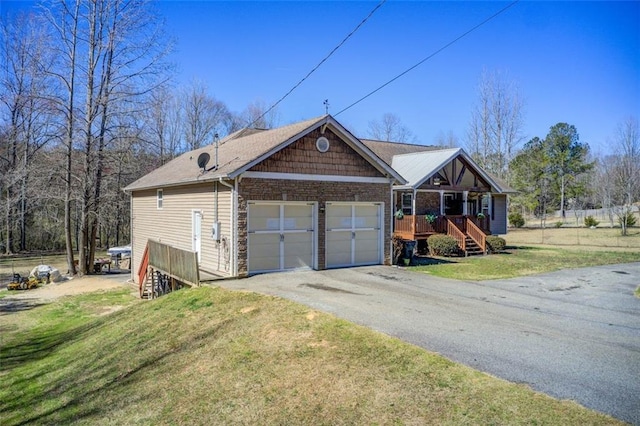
{"x": 20, "y": 300}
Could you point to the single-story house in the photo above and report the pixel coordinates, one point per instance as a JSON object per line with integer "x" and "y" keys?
{"x": 306, "y": 195}
{"x": 442, "y": 183}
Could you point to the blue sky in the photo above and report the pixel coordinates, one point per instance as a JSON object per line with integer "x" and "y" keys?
{"x": 575, "y": 62}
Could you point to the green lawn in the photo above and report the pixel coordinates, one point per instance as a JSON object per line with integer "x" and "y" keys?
{"x": 212, "y": 356}
{"x": 518, "y": 261}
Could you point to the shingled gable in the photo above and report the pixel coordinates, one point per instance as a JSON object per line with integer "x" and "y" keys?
{"x": 242, "y": 150}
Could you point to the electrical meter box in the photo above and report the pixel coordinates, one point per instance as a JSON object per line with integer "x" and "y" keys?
{"x": 215, "y": 231}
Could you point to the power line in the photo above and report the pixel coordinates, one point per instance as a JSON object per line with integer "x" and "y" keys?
{"x": 321, "y": 62}
{"x": 429, "y": 57}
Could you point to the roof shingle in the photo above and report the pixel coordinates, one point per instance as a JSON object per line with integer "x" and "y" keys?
{"x": 234, "y": 151}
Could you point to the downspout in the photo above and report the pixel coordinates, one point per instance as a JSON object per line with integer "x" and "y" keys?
{"x": 215, "y": 218}
{"x": 234, "y": 225}
{"x": 132, "y": 270}
{"x": 392, "y": 208}
{"x": 235, "y": 234}
{"x": 215, "y": 201}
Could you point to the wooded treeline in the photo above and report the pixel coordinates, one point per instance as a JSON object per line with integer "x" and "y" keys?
{"x": 559, "y": 171}
{"x": 87, "y": 105}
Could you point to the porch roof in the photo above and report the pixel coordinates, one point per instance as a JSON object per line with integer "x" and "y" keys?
{"x": 418, "y": 167}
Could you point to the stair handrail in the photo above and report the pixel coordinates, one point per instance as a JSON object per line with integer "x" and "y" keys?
{"x": 457, "y": 234}
{"x": 477, "y": 235}
{"x": 142, "y": 269}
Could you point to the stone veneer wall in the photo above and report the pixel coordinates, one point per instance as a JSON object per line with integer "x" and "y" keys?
{"x": 427, "y": 202}
{"x": 312, "y": 191}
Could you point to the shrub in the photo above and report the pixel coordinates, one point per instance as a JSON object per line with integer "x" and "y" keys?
{"x": 590, "y": 221}
{"x": 516, "y": 219}
{"x": 442, "y": 245}
{"x": 398, "y": 248}
{"x": 558, "y": 224}
{"x": 630, "y": 218}
{"x": 495, "y": 244}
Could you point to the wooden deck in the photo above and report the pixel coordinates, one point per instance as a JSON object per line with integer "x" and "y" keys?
{"x": 417, "y": 227}
{"x": 462, "y": 228}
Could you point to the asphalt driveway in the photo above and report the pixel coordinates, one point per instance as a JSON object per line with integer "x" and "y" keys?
{"x": 572, "y": 334}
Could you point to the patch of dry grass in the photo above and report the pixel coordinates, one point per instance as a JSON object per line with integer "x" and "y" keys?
{"x": 584, "y": 238}
{"x": 523, "y": 260}
{"x": 212, "y": 356}
{"x": 23, "y": 264}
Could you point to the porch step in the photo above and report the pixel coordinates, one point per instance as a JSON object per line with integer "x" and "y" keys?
{"x": 147, "y": 289}
{"x": 473, "y": 249}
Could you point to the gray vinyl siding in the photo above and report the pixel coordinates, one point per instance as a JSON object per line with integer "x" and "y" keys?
{"x": 499, "y": 214}
{"x": 173, "y": 224}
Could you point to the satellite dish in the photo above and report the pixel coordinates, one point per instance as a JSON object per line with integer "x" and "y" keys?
{"x": 203, "y": 159}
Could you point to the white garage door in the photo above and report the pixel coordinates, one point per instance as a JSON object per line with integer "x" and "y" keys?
{"x": 281, "y": 236}
{"x": 354, "y": 234}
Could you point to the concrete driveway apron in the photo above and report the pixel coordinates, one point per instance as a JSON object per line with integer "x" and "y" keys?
{"x": 572, "y": 334}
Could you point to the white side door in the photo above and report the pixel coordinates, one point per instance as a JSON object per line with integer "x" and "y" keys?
{"x": 197, "y": 233}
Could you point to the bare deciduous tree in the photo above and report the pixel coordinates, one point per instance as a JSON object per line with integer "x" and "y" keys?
{"x": 24, "y": 113}
{"x": 163, "y": 124}
{"x": 449, "y": 140}
{"x": 390, "y": 129}
{"x": 203, "y": 115}
{"x": 622, "y": 172}
{"x": 496, "y": 124}
{"x": 111, "y": 55}
{"x": 258, "y": 116}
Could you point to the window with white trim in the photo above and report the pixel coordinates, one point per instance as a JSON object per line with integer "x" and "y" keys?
{"x": 485, "y": 204}
{"x": 159, "y": 199}
{"x": 407, "y": 203}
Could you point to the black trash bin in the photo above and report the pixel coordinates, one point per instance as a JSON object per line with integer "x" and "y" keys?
{"x": 409, "y": 249}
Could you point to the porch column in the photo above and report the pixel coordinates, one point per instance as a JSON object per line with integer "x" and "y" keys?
{"x": 489, "y": 205}
{"x": 465, "y": 197}
{"x": 441, "y": 202}
{"x": 413, "y": 202}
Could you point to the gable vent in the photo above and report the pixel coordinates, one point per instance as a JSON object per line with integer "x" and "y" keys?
{"x": 322, "y": 144}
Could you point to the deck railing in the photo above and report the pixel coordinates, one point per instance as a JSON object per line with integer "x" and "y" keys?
{"x": 176, "y": 263}
{"x": 404, "y": 225}
{"x": 414, "y": 227}
{"x": 453, "y": 230}
{"x": 411, "y": 225}
{"x": 142, "y": 270}
{"x": 477, "y": 235}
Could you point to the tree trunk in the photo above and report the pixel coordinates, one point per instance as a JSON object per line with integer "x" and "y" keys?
{"x": 23, "y": 214}
{"x": 69, "y": 142}
{"x": 104, "y": 96}
{"x": 562, "y": 196}
{"x": 91, "y": 105}
{"x": 7, "y": 248}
